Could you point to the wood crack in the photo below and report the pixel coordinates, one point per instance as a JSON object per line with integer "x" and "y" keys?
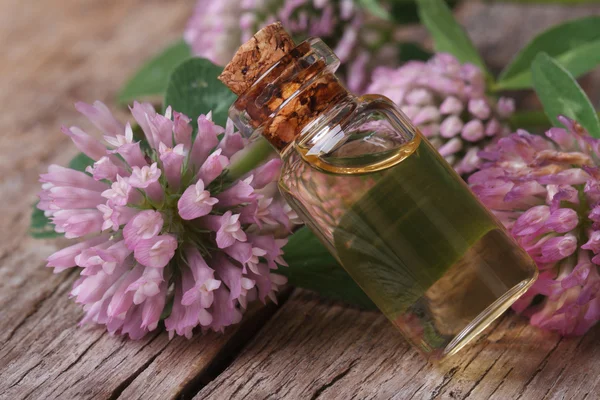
{"x": 487, "y": 343}
{"x": 412, "y": 396}
{"x": 34, "y": 309}
{"x": 490, "y": 367}
{"x": 481, "y": 378}
{"x": 415, "y": 374}
{"x": 562, "y": 370}
{"x": 333, "y": 381}
{"x": 24, "y": 375}
{"x": 501, "y": 382}
{"x": 149, "y": 342}
{"x": 71, "y": 365}
{"x": 445, "y": 381}
{"x": 258, "y": 381}
{"x": 231, "y": 350}
{"x": 123, "y": 385}
{"x": 83, "y": 353}
{"x": 110, "y": 355}
{"x": 26, "y": 396}
{"x": 540, "y": 367}
{"x": 236, "y": 391}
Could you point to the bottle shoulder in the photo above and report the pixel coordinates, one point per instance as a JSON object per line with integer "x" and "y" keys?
{"x": 373, "y": 137}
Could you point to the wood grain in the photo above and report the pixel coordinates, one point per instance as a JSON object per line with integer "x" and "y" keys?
{"x": 55, "y": 53}
{"x": 313, "y": 349}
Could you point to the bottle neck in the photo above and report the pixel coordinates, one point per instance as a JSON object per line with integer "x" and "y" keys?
{"x": 293, "y": 96}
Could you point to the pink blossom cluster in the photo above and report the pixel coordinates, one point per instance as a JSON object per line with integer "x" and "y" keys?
{"x": 547, "y": 193}
{"x": 217, "y": 28}
{"x": 447, "y": 101}
{"x": 165, "y": 231}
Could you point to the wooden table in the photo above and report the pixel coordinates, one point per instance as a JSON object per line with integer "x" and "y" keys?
{"x": 56, "y": 52}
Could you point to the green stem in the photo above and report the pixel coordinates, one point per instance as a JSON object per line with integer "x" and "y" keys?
{"x": 255, "y": 155}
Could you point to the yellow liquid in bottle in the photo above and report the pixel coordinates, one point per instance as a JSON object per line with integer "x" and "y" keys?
{"x": 418, "y": 242}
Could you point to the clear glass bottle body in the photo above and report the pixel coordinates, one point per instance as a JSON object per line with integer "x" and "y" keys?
{"x": 401, "y": 222}
{"x": 406, "y": 227}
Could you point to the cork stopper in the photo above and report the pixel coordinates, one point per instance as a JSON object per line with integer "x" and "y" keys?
{"x": 281, "y": 87}
{"x": 255, "y": 57}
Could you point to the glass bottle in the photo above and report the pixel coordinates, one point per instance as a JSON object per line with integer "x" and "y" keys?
{"x": 397, "y": 217}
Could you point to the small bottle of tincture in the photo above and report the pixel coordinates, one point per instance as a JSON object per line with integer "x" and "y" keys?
{"x": 397, "y": 217}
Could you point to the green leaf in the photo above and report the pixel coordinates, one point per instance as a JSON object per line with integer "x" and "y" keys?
{"x": 406, "y": 11}
{"x": 448, "y": 35}
{"x": 152, "y": 78}
{"x": 311, "y": 266}
{"x": 560, "y": 94}
{"x": 374, "y": 8}
{"x": 413, "y": 51}
{"x": 80, "y": 162}
{"x": 574, "y": 44}
{"x": 194, "y": 89}
{"x": 40, "y": 226}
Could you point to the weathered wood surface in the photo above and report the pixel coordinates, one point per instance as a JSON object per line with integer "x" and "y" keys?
{"x": 314, "y": 349}
{"x": 57, "y": 52}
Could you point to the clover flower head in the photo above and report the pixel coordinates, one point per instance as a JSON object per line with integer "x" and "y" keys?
{"x": 447, "y": 101}
{"x": 547, "y": 193}
{"x": 217, "y": 28}
{"x": 165, "y": 232}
